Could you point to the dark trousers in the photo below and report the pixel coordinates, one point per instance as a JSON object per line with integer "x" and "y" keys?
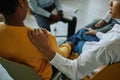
{"x": 44, "y": 21}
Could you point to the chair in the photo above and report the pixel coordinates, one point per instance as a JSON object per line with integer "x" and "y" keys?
{"x": 110, "y": 72}
{"x": 19, "y": 71}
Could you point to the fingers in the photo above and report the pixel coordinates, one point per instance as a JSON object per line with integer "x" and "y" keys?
{"x": 38, "y": 32}
{"x": 45, "y": 32}
{"x": 30, "y": 34}
{"x": 88, "y": 29}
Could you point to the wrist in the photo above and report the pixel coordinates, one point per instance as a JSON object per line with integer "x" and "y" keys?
{"x": 51, "y": 54}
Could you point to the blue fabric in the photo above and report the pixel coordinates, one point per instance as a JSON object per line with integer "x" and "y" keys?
{"x": 80, "y": 38}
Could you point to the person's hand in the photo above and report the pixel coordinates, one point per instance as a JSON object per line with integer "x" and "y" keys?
{"x": 90, "y": 31}
{"x": 100, "y": 24}
{"x": 54, "y": 18}
{"x": 39, "y": 37}
{"x": 60, "y": 13}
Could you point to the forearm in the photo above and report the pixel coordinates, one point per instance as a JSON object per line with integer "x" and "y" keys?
{"x": 36, "y": 9}
{"x": 88, "y": 61}
{"x": 99, "y": 34}
{"x": 106, "y": 17}
{"x": 64, "y": 65}
{"x": 65, "y": 50}
{"x": 58, "y": 5}
{"x": 49, "y": 53}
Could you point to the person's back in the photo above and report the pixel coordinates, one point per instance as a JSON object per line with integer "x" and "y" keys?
{"x": 16, "y": 46}
{"x": 15, "y": 43}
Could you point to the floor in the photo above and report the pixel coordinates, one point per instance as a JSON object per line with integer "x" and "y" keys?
{"x": 88, "y": 10}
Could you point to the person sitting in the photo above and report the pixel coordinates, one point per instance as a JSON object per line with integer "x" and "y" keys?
{"x": 42, "y": 10}
{"x": 94, "y": 54}
{"x": 15, "y": 44}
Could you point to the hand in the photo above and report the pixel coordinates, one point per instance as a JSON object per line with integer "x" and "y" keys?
{"x": 60, "y": 13}
{"x": 54, "y": 18}
{"x": 101, "y": 23}
{"x": 39, "y": 37}
{"x": 90, "y": 31}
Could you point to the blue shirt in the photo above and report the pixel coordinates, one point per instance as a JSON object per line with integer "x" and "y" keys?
{"x": 38, "y": 5}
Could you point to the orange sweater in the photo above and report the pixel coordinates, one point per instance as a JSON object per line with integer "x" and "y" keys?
{"x": 15, "y": 45}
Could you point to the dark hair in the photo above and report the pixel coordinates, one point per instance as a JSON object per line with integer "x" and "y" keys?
{"x": 8, "y": 7}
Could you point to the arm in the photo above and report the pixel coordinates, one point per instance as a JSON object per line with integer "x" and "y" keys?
{"x": 59, "y": 8}
{"x": 83, "y": 65}
{"x": 99, "y": 34}
{"x": 107, "y": 17}
{"x": 93, "y": 32}
{"x": 35, "y": 8}
{"x": 64, "y": 49}
{"x": 58, "y": 5}
{"x": 75, "y": 69}
{"x": 104, "y": 20}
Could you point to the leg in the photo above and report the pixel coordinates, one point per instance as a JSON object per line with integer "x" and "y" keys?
{"x": 80, "y": 36}
{"x": 71, "y": 26}
{"x": 78, "y": 47}
{"x": 42, "y": 21}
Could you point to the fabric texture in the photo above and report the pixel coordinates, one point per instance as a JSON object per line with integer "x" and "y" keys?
{"x": 15, "y": 45}
{"x": 4, "y": 74}
{"x": 94, "y": 54}
{"x": 42, "y": 14}
{"x": 79, "y": 38}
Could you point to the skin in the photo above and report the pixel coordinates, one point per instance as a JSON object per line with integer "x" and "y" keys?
{"x": 40, "y": 37}
{"x": 55, "y": 18}
{"x": 101, "y": 23}
{"x": 18, "y": 17}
